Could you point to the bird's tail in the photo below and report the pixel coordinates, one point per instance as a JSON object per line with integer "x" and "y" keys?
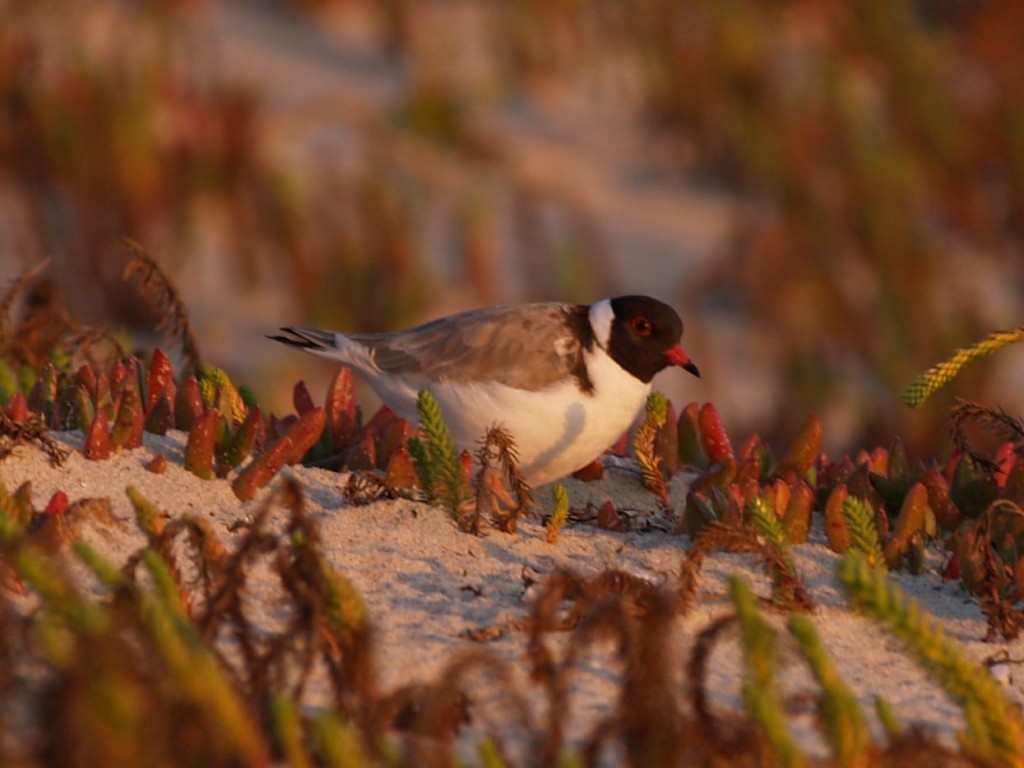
{"x": 309, "y": 339}
{"x": 331, "y": 345}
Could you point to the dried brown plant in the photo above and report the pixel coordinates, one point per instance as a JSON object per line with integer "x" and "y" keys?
{"x": 365, "y": 487}
{"x": 993, "y": 578}
{"x": 729, "y": 733}
{"x": 734, "y": 537}
{"x": 502, "y": 493}
{"x": 649, "y": 719}
{"x": 916, "y": 746}
{"x": 11, "y": 657}
{"x": 635, "y": 614}
{"x": 44, "y": 325}
{"x": 431, "y": 715}
{"x": 1008, "y": 428}
{"x": 156, "y": 286}
{"x": 15, "y": 291}
{"x": 328, "y": 616}
{"x": 213, "y": 585}
{"x": 32, "y": 430}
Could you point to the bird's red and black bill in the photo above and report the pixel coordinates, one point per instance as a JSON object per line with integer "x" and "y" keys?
{"x": 677, "y": 356}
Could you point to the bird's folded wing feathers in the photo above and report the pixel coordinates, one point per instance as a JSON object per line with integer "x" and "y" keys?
{"x": 527, "y": 347}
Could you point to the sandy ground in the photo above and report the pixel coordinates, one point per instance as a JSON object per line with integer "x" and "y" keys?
{"x": 426, "y": 583}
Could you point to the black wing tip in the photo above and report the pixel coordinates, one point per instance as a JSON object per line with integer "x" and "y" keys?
{"x": 295, "y": 339}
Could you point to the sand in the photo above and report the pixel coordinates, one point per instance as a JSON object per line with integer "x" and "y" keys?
{"x": 427, "y": 584}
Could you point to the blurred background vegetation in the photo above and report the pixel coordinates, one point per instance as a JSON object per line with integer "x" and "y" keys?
{"x": 832, "y": 194}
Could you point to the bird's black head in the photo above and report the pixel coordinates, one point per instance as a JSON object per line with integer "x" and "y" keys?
{"x": 644, "y": 337}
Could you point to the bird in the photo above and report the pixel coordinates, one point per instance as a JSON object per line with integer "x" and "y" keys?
{"x": 565, "y": 380}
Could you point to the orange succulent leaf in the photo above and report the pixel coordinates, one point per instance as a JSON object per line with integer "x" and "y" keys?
{"x": 946, "y": 513}
{"x": 912, "y": 520}
{"x": 393, "y": 436}
{"x": 130, "y": 420}
{"x": 666, "y": 443}
{"x": 803, "y": 452}
{"x": 340, "y": 405}
{"x": 362, "y": 453}
{"x": 796, "y": 520}
{"x": 288, "y": 448}
{"x": 160, "y": 417}
{"x": 17, "y": 408}
{"x": 301, "y": 399}
{"x": 621, "y": 446}
{"x": 778, "y": 494}
{"x": 714, "y": 438}
{"x": 188, "y": 404}
{"x": 755, "y": 457}
{"x": 160, "y": 376}
{"x": 1013, "y": 486}
{"x": 1006, "y": 458}
{"x": 836, "y": 529}
{"x": 202, "y": 439}
{"x": 304, "y": 433}
{"x": 157, "y": 465}
{"x": 97, "y": 439}
{"x": 608, "y": 517}
{"x": 717, "y": 475}
{"x": 972, "y": 550}
{"x": 590, "y": 472}
{"x": 400, "y": 474}
{"x": 57, "y": 504}
{"x": 85, "y": 376}
{"x": 380, "y": 422}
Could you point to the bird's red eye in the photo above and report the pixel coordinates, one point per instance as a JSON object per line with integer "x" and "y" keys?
{"x": 642, "y": 326}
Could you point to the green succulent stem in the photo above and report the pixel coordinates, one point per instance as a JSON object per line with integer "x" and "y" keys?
{"x": 760, "y": 657}
{"x": 288, "y": 728}
{"x": 939, "y": 375}
{"x": 59, "y": 595}
{"x": 443, "y": 470}
{"x": 645, "y": 444}
{"x": 887, "y": 717}
{"x": 339, "y": 744}
{"x": 847, "y": 734}
{"x": 995, "y": 729}
{"x": 559, "y": 512}
{"x": 860, "y": 520}
{"x": 769, "y": 526}
{"x": 110, "y": 575}
{"x": 193, "y": 666}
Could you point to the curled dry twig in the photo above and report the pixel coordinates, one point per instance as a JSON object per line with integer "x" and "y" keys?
{"x": 157, "y": 287}
{"x": 998, "y": 421}
{"x": 365, "y": 487}
{"x": 213, "y": 584}
{"x": 994, "y": 579}
{"x": 46, "y": 326}
{"x": 726, "y": 733}
{"x": 32, "y": 430}
{"x": 431, "y": 715}
{"x": 11, "y": 295}
{"x": 501, "y": 490}
{"x": 739, "y": 538}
